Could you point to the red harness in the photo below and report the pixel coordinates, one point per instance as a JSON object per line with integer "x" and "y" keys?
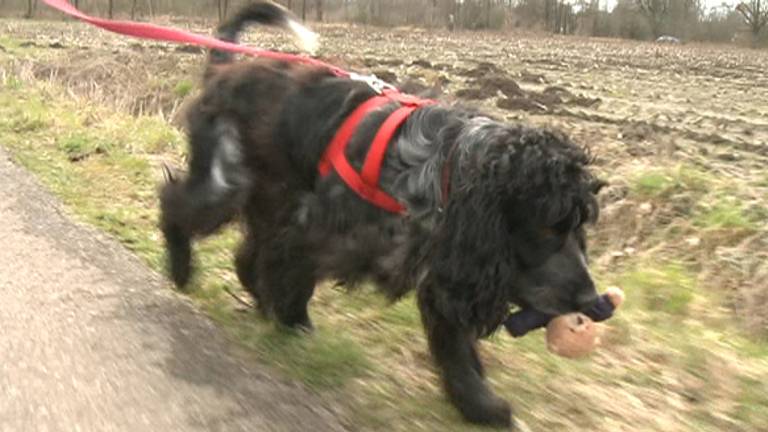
{"x": 365, "y": 184}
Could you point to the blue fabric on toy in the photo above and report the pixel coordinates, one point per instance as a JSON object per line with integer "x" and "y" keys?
{"x": 521, "y": 322}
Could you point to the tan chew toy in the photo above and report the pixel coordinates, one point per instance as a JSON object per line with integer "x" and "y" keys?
{"x": 572, "y": 335}
{"x": 575, "y": 335}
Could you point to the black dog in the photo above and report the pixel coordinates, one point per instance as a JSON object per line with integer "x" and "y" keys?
{"x": 509, "y": 231}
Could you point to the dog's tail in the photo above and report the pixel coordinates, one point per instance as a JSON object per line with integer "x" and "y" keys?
{"x": 209, "y": 197}
{"x": 266, "y": 13}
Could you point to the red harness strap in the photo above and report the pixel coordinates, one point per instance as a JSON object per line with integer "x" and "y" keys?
{"x": 366, "y": 184}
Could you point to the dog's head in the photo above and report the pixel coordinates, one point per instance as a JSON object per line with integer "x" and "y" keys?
{"x": 548, "y": 196}
{"x": 514, "y": 224}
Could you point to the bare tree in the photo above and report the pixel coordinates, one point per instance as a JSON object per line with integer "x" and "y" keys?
{"x": 456, "y": 15}
{"x": 31, "y": 7}
{"x": 133, "y": 9}
{"x": 755, "y": 13}
{"x": 549, "y": 6}
{"x": 319, "y": 10}
{"x": 223, "y": 6}
{"x": 655, "y": 11}
{"x": 432, "y": 13}
{"x": 110, "y": 8}
{"x": 303, "y": 10}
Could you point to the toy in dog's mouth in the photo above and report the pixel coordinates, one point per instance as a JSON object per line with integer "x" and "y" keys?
{"x": 570, "y": 335}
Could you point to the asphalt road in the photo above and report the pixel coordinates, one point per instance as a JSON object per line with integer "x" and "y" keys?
{"x": 91, "y": 340}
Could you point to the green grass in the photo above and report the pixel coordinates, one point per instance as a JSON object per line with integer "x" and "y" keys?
{"x": 78, "y": 145}
{"x": 661, "y": 183}
{"x": 653, "y": 184}
{"x": 763, "y": 182}
{"x": 326, "y": 359}
{"x": 725, "y": 213}
{"x": 183, "y": 88}
{"x": 10, "y": 44}
{"x": 752, "y": 407}
{"x": 666, "y": 287}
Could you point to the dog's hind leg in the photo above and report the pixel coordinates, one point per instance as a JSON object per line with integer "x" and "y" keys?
{"x": 453, "y": 348}
{"x": 209, "y": 197}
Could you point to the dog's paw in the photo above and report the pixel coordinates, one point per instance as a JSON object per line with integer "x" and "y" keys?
{"x": 479, "y": 405}
{"x": 306, "y": 328}
{"x": 491, "y": 410}
{"x": 301, "y": 325}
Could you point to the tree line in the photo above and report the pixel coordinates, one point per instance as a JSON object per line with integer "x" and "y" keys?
{"x": 745, "y": 20}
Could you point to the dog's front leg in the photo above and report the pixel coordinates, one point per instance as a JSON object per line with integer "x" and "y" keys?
{"x": 453, "y": 348}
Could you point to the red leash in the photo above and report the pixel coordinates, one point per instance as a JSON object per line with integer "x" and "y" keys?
{"x": 167, "y": 34}
{"x": 366, "y": 183}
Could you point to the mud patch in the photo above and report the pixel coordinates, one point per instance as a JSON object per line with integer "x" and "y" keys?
{"x": 635, "y": 132}
{"x": 490, "y": 83}
{"x": 533, "y": 78}
{"x": 481, "y": 70}
{"x": 491, "y": 86}
{"x": 521, "y": 104}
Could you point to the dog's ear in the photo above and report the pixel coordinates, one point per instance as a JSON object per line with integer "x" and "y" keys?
{"x": 168, "y": 175}
{"x": 471, "y": 267}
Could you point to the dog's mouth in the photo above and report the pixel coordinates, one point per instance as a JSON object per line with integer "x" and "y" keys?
{"x": 524, "y": 305}
{"x": 553, "y": 308}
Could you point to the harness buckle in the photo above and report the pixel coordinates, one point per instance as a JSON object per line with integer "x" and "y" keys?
{"x": 377, "y": 84}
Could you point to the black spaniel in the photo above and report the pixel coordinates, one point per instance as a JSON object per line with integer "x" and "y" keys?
{"x": 494, "y": 213}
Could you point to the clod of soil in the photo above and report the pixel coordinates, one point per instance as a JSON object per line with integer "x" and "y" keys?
{"x": 189, "y": 49}
{"x": 419, "y": 87}
{"x": 386, "y": 75}
{"x": 507, "y": 86}
{"x": 422, "y": 63}
{"x": 565, "y": 96}
{"x": 481, "y": 70}
{"x": 558, "y": 91}
{"x": 442, "y": 66}
{"x": 547, "y": 99}
{"x": 639, "y": 131}
{"x": 534, "y": 78}
{"x": 521, "y": 104}
{"x": 488, "y": 87}
{"x": 476, "y": 93}
{"x": 370, "y": 62}
{"x": 584, "y": 101}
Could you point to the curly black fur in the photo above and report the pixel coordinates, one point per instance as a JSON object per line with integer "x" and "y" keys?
{"x": 511, "y": 231}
